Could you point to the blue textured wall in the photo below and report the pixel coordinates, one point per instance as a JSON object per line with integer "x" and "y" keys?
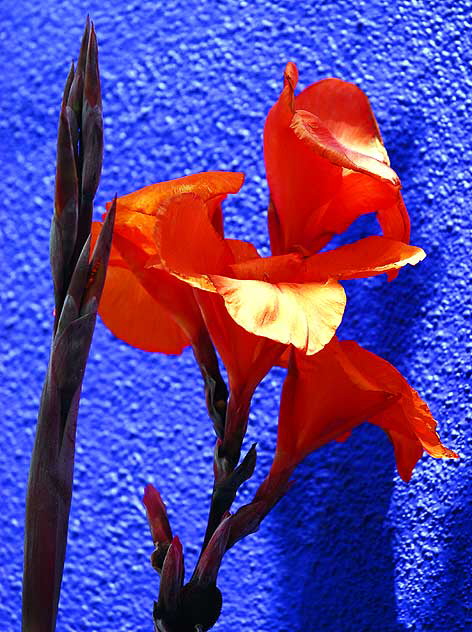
{"x": 186, "y": 88}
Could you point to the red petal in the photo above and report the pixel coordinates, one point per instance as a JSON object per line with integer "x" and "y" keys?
{"x": 135, "y": 317}
{"x": 300, "y": 181}
{"x": 242, "y": 250}
{"x": 345, "y": 111}
{"x": 210, "y": 186}
{"x": 171, "y": 294}
{"x": 326, "y": 166}
{"x": 364, "y": 258}
{"x": 394, "y": 220}
{"x": 323, "y": 398}
{"x": 352, "y": 385}
{"x": 314, "y": 134}
{"x": 409, "y": 419}
{"x": 186, "y": 241}
{"x": 279, "y": 268}
{"x": 247, "y": 357}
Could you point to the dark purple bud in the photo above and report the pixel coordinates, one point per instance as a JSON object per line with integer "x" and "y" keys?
{"x": 77, "y": 87}
{"x": 172, "y": 578}
{"x": 92, "y": 92}
{"x": 69, "y": 356}
{"x": 156, "y": 513}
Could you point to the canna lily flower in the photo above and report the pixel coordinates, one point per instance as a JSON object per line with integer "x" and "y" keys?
{"x": 327, "y": 165}
{"x": 254, "y": 307}
{"x": 352, "y": 386}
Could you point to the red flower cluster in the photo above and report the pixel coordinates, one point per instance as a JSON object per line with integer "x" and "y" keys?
{"x": 175, "y": 280}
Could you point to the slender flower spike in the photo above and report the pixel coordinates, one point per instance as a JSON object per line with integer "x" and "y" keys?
{"x": 327, "y": 165}
{"x": 352, "y": 385}
{"x": 78, "y": 284}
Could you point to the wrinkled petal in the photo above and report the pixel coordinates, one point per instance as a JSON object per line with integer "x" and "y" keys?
{"x": 326, "y": 165}
{"x": 276, "y": 269}
{"x": 169, "y": 292}
{"x": 315, "y": 135}
{"x": 322, "y": 399}
{"x": 364, "y": 258}
{"x": 408, "y": 420}
{"x": 394, "y": 219}
{"x": 148, "y": 309}
{"x": 346, "y": 112}
{"x": 300, "y": 180}
{"x": 134, "y": 316}
{"x": 351, "y": 385}
{"x": 211, "y": 187}
{"x": 305, "y": 315}
{"x": 247, "y": 357}
{"x": 186, "y": 241}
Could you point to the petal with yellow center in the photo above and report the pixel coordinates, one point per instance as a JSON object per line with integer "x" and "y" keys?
{"x": 305, "y": 315}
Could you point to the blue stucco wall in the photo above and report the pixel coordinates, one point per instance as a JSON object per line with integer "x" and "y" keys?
{"x": 186, "y": 87}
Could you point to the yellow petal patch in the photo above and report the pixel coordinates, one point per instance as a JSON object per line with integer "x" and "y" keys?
{"x": 304, "y": 315}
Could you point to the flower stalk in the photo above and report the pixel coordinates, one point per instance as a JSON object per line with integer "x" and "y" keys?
{"x": 78, "y": 282}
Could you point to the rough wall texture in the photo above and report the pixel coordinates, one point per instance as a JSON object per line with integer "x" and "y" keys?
{"x": 186, "y": 88}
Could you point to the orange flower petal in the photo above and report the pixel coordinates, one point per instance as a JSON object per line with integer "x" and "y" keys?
{"x": 280, "y": 268}
{"x": 131, "y": 313}
{"x": 148, "y": 309}
{"x": 247, "y": 357}
{"x": 242, "y": 250}
{"x": 360, "y": 194}
{"x": 323, "y": 398}
{"x": 394, "y": 220}
{"x": 291, "y": 165}
{"x": 135, "y": 317}
{"x": 346, "y": 112}
{"x": 186, "y": 241}
{"x": 172, "y": 294}
{"x": 367, "y": 257}
{"x": 210, "y": 186}
{"x": 371, "y": 390}
{"x": 138, "y": 229}
{"x": 409, "y": 417}
{"x": 315, "y": 135}
{"x": 305, "y": 315}
{"x": 364, "y": 258}
{"x": 326, "y": 166}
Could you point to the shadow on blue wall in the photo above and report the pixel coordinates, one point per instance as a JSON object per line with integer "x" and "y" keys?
{"x": 340, "y": 576}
